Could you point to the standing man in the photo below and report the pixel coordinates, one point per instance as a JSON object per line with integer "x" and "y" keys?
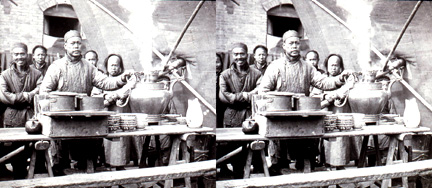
{"x": 260, "y": 56}
{"x": 39, "y": 54}
{"x": 291, "y": 74}
{"x": 18, "y": 85}
{"x": 236, "y": 86}
{"x": 72, "y": 73}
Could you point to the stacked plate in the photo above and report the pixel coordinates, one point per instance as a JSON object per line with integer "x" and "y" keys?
{"x": 128, "y": 122}
{"x": 330, "y": 123}
{"x": 113, "y": 123}
{"x": 153, "y": 118}
{"x": 345, "y": 122}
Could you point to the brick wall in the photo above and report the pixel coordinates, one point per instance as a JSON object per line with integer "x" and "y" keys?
{"x": 246, "y": 23}
{"x": 22, "y": 23}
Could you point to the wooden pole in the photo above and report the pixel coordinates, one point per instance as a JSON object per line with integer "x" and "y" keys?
{"x": 195, "y": 12}
{"x": 11, "y": 154}
{"x": 229, "y": 155}
{"x": 197, "y": 95}
{"x": 417, "y": 6}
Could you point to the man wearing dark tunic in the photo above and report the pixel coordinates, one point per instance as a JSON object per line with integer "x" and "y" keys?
{"x": 237, "y": 84}
{"x": 39, "y": 54}
{"x": 18, "y": 85}
{"x": 260, "y": 58}
{"x": 291, "y": 74}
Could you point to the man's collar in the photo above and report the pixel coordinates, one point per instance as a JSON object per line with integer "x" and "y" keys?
{"x": 71, "y": 59}
{"x": 260, "y": 66}
{"x": 37, "y": 65}
{"x": 245, "y": 66}
{"x": 291, "y": 60}
{"x": 14, "y": 67}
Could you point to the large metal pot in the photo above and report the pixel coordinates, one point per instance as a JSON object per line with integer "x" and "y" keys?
{"x": 56, "y": 103}
{"x": 150, "y": 97}
{"x": 272, "y": 102}
{"x": 368, "y": 97}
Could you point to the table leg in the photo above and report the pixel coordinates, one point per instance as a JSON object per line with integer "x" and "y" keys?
{"x": 266, "y": 171}
{"x": 363, "y": 150}
{"x": 377, "y": 150}
{"x": 144, "y": 153}
{"x": 404, "y": 156}
{"x": 158, "y": 150}
{"x": 307, "y": 166}
{"x": 174, "y": 154}
{"x": 90, "y": 166}
{"x": 30, "y": 173}
{"x": 48, "y": 163}
{"x": 248, "y": 164}
{"x": 392, "y": 148}
{"x": 186, "y": 158}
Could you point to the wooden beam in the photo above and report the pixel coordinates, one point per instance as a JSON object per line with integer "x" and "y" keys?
{"x": 104, "y": 179}
{"x": 317, "y": 179}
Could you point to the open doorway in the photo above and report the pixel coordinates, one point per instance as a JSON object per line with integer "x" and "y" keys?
{"x": 279, "y": 20}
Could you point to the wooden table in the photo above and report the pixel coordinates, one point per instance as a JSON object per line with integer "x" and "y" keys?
{"x": 395, "y": 132}
{"x": 175, "y": 131}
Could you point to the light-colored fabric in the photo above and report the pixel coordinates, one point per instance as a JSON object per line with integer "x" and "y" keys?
{"x": 80, "y": 77}
{"x": 295, "y": 76}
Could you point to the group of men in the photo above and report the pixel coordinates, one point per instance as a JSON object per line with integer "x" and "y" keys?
{"x": 290, "y": 73}
{"x": 23, "y": 80}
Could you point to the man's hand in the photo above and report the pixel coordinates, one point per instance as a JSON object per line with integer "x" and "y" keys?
{"x": 345, "y": 74}
{"x": 245, "y": 96}
{"x": 127, "y": 74}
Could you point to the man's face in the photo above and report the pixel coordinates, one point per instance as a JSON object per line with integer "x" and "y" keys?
{"x": 113, "y": 66}
{"x": 39, "y": 56}
{"x": 91, "y": 57}
{"x": 19, "y": 56}
{"x": 291, "y": 46}
{"x": 260, "y": 56}
{"x": 240, "y": 56}
{"x": 312, "y": 58}
{"x": 333, "y": 66}
{"x": 73, "y": 46}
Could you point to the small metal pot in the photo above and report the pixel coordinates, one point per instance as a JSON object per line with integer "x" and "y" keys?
{"x": 273, "y": 102}
{"x": 307, "y": 103}
{"x": 86, "y": 103}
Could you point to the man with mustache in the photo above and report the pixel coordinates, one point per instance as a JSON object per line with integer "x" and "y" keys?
{"x": 18, "y": 85}
{"x": 291, "y": 74}
{"x": 236, "y": 86}
{"x": 73, "y": 73}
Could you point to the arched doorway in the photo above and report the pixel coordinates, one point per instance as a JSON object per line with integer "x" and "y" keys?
{"x": 280, "y": 19}
{"x": 58, "y": 20}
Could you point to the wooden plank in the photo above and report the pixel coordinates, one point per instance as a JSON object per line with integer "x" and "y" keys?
{"x": 103, "y": 179}
{"x": 296, "y": 113}
{"x": 390, "y": 154}
{"x": 80, "y": 113}
{"x": 316, "y": 179}
{"x": 236, "y": 134}
{"x": 161, "y": 130}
